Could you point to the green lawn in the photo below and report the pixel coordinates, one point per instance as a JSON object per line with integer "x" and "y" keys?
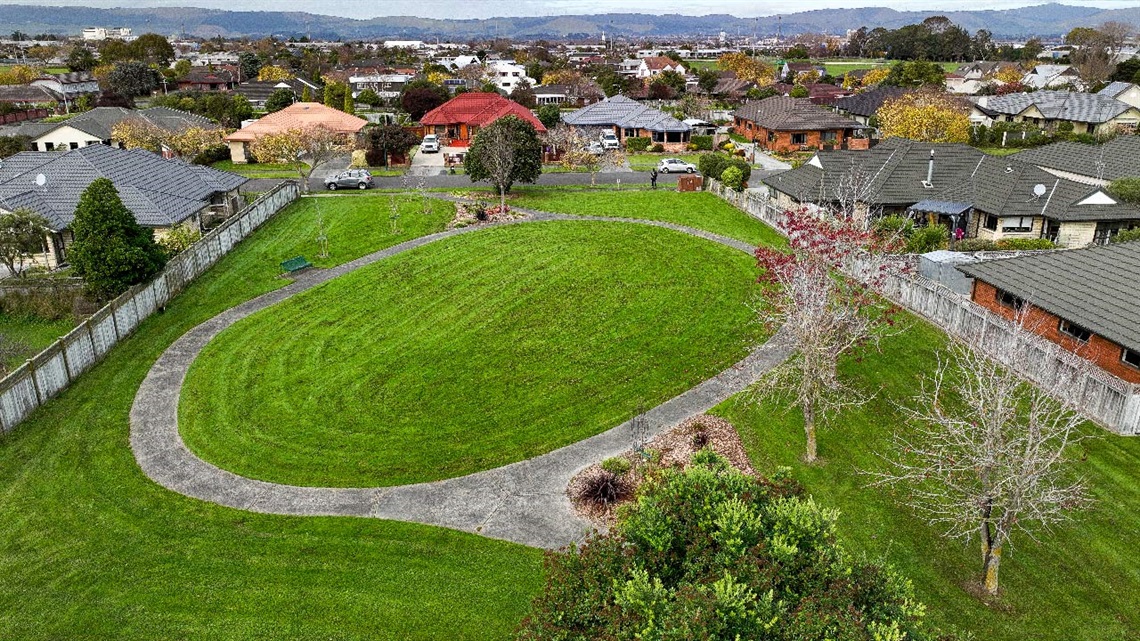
{"x": 647, "y": 161}
{"x": 1000, "y": 151}
{"x": 34, "y": 333}
{"x": 838, "y": 69}
{"x": 257, "y": 170}
{"x": 701, "y": 64}
{"x": 468, "y": 354}
{"x": 91, "y": 549}
{"x": 694, "y": 209}
{"x": 1079, "y": 584}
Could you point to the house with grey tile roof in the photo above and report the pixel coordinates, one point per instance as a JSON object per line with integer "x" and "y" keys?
{"x": 1125, "y": 92}
{"x": 1087, "y": 112}
{"x": 161, "y": 193}
{"x": 783, "y": 123}
{"x": 1083, "y": 300}
{"x": 629, "y": 118}
{"x": 958, "y": 186}
{"x": 862, "y": 106}
{"x": 95, "y": 127}
{"x": 1052, "y": 77}
{"x": 1087, "y": 163}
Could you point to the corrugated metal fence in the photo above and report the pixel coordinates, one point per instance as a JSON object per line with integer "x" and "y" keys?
{"x": 1106, "y": 399}
{"x": 53, "y": 369}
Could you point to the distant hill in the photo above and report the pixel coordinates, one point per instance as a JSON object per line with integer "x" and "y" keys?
{"x": 1043, "y": 20}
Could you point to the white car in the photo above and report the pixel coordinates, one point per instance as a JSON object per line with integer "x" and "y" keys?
{"x": 609, "y": 140}
{"x": 430, "y": 144}
{"x": 675, "y": 166}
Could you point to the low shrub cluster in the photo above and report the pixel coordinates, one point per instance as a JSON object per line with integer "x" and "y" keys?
{"x": 1007, "y": 244}
{"x": 637, "y": 144}
{"x": 715, "y": 165}
{"x": 657, "y": 148}
{"x": 900, "y": 232}
{"x": 701, "y": 143}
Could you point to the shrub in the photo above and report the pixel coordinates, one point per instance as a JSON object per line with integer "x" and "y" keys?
{"x": 616, "y": 465}
{"x": 732, "y": 178}
{"x": 179, "y": 239}
{"x": 657, "y": 148}
{"x": 711, "y": 553}
{"x": 710, "y": 165}
{"x": 975, "y": 245}
{"x": 1025, "y": 244}
{"x": 1126, "y": 189}
{"x": 1127, "y": 235}
{"x": 927, "y": 239}
{"x": 604, "y": 488}
{"x": 702, "y": 143}
{"x": 893, "y": 227}
{"x": 359, "y": 159}
{"x": 700, "y": 439}
{"x": 637, "y": 144}
{"x": 742, "y": 165}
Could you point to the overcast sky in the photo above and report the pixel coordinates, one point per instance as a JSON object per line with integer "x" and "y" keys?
{"x": 488, "y": 8}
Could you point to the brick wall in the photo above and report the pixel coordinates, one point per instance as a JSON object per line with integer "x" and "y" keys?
{"x": 783, "y": 142}
{"x": 1101, "y": 351}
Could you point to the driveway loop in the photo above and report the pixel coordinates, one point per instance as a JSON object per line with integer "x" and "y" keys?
{"x": 524, "y": 502}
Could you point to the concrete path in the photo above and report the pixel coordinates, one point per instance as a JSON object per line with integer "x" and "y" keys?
{"x": 524, "y": 502}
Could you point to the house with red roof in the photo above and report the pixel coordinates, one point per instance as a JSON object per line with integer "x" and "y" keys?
{"x": 458, "y": 120}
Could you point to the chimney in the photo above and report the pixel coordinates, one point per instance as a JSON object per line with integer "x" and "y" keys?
{"x": 930, "y": 169}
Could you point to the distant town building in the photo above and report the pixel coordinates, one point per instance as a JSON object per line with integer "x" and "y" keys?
{"x": 104, "y": 33}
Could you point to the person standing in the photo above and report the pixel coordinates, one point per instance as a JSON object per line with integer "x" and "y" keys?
{"x": 653, "y": 178}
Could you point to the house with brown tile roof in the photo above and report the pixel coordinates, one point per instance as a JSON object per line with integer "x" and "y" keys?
{"x": 299, "y": 115}
{"x": 785, "y": 124}
{"x": 655, "y": 65}
{"x": 458, "y": 120}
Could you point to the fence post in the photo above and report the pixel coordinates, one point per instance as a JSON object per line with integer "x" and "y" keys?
{"x": 35, "y": 383}
{"x": 1130, "y": 420}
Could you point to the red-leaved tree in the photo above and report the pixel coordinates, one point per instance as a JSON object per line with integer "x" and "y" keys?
{"x": 813, "y": 296}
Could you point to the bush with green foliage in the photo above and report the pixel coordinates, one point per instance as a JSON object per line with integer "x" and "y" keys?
{"x": 702, "y": 143}
{"x": 657, "y": 148}
{"x": 711, "y": 553}
{"x": 1025, "y": 244}
{"x": 975, "y": 245}
{"x": 279, "y": 99}
{"x": 370, "y": 98}
{"x": 549, "y": 116}
{"x": 893, "y": 227}
{"x": 111, "y": 251}
{"x": 732, "y": 178}
{"x": 505, "y": 152}
{"x": 617, "y": 465}
{"x": 1128, "y": 235}
{"x": 1126, "y": 189}
{"x": 710, "y": 165}
{"x": 741, "y": 164}
{"x": 637, "y": 144}
{"x": 927, "y": 239}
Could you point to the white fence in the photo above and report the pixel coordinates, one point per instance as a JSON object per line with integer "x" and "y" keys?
{"x": 53, "y": 369}
{"x": 1102, "y": 397}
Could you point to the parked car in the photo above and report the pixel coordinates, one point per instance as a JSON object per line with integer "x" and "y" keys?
{"x": 609, "y": 140}
{"x": 675, "y": 166}
{"x": 358, "y": 178}
{"x": 430, "y": 144}
{"x": 595, "y": 148}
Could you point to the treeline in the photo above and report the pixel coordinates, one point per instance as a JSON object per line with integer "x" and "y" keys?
{"x": 936, "y": 38}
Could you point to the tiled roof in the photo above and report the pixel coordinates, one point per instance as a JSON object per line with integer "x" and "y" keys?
{"x": 478, "y": 109}
{"x": 624, "y": 112}
{"x": 1117, "y": 158}
{"x": 100, "y": 121}
{"x": 1072, "y": 106}
{"x": 1114, "y": 89}
{"x": 783, "y": 113}
{"x": 299, "y": 115}
{"x": 26, "y": 94}
{"x": 657, "y": 63}
{"x": 71, "y": 77}
{"x": 1093, "y": 287}
{"x": 868, "y": 102}
{"x": 159, "y": 192}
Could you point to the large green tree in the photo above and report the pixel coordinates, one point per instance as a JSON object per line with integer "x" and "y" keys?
{"x": 279, "y": 99}
{"x": 22, "y": 235}
{"x": 916, "y": 73}
{"x": 132, "y": 79}
{"x": 711, "y": 553}
{"x": 505, "y": 152}
{"x": 111, "y": 251}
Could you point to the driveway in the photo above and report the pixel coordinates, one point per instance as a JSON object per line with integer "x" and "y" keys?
{"x": 763, "y": 160}
{"x": 431, "y": 164}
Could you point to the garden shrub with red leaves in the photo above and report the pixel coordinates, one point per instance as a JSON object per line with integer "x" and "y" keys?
{"x": 710, "y": 553}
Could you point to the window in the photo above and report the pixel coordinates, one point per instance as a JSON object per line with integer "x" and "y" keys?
{"x": 1076, "y": 331}
{"x": 991, "y": 222}
{"x": 829, "y": 136}
{"x": 799, "y": 139}
{"x": 74, "y": 145}
{"x": 1017, "y": 224}
{"x": 629, "y": 133}
{"x": 771, "y": 136}
{"x": 49, "y": 146}
{"x": 1006, "y": 299}
{"x": 1131, "y": 357}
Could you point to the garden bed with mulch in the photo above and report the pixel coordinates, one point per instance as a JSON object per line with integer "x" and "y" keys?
{"x": 481, "y": 213}
{"x": 599, "y": 490}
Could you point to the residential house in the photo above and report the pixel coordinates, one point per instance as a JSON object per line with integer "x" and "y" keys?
{"x": 656, "y": 65}
{"x": 1086, "y": 112}
{"x": 257, "y": 92}
{"x": 628, "y": 67}
{"x": 161, "y": 193}
{"x": 785, "y": 124}
{"x": 861, "y": 107}
{"x": 387, "y": 85}
{"x": 971, "y": 77}
{"x": 458, "y": 120}
{"x": 1084, "y": 300}
{"x": 797, "y": 70}
{"x": 730, "y": 87}
{"x": 69, "y": 86}
{"x": 552, "y": 94}
{"x": 1053, "y": 77}
{"x": 27, "y": 95}
{"x": 209, "y": 79}
{"x": 456, "y": 63}
{"x": 1089, "y": 164}
{"x": 631, "y": 119}
{"x": 819, "y": 93}
{"x": 507, "y": 76}
{"x": 956, "y": 185}
{"x": 1125, "y": 92}
{"x": 299, "y": 115}
{"x": 96, "y": 127}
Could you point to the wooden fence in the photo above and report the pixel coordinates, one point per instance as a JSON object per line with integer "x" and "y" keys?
{"x": 1106, "y": 399}
{"x": 54, "y": 369}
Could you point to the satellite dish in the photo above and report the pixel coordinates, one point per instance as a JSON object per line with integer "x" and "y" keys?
{"x": 41, "y": 180}
{"x": 1039, "y": 190}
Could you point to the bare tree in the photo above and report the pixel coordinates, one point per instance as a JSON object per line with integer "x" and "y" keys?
{"x": 851, "y": 197}
{"x": 825, "y": 315}
{"x": 303, "y": 149}
{"x": 584, "y": 151}
{"x": 988, "y": 454}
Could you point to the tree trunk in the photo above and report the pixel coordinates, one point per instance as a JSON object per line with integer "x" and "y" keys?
{"x": 502, "y": 199}
{"x": 809, "y": 431}
{"x": 993, "y": 561}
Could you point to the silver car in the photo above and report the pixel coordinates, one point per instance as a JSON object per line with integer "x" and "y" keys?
{"x": 358, "y": 178}
{"x": 430, "y": 144}
{"x": 675, "y": 166}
